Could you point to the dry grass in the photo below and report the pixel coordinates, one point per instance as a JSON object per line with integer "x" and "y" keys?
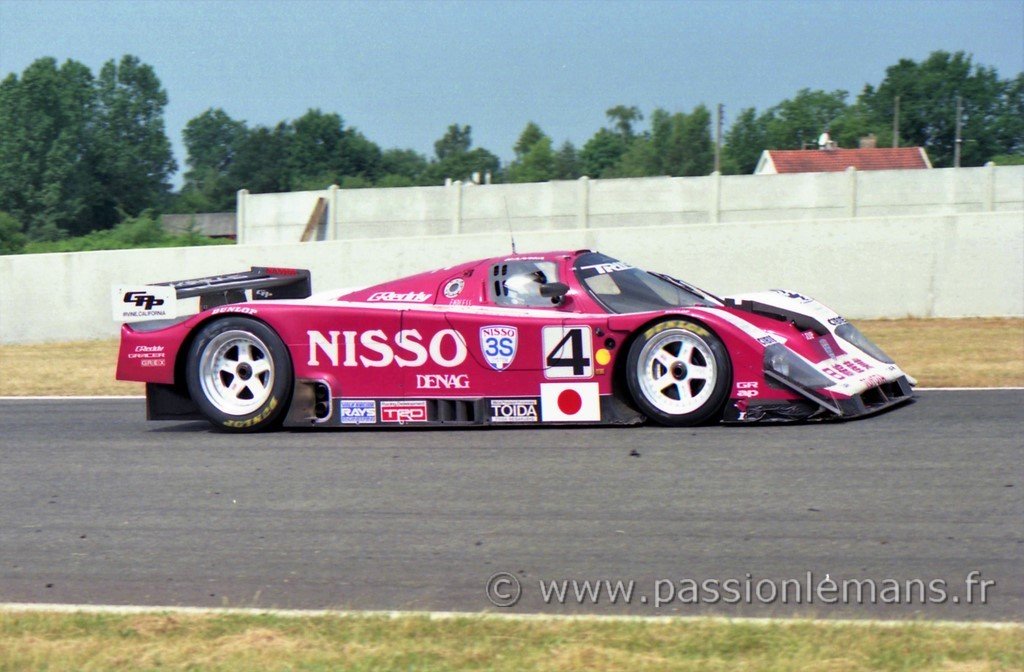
{"x": 954, "y": 353}
{"x": 176, "y": 642}
{"x": 968, "y": 353}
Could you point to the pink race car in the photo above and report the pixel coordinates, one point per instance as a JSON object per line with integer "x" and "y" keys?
{"x": 527, "y": 339}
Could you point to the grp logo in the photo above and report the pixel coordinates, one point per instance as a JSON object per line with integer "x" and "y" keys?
{"x": 142, "y": 300}
{"x": 499, "y": 344}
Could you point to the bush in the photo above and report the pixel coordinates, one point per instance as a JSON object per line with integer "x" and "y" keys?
{"x": 133, "y": 232}
{"x": 12, "y": 240}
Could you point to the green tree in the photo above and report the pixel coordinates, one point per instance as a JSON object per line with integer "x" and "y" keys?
{"x": 798, "y": 121}
{"x": 12, "y": 240}
{"x": 744, "y": 142}
{"x": 261, "y": 161}
{"x": 46, "y": 180}
{"x": 456, "y": 140}
{"x": 401, "y": 168}
{"x": 698, "y": 147}
{"x": 601, "y": 153}
{"x": 212, "y": 141}
{"x": 535, "y": 159}
{"x": 567, "y": 162}
{"x": 928, "y": 92}
{"x": 623, "y": 118}
{"x": 455, "y": 159}
{"x": 133, "y": 155}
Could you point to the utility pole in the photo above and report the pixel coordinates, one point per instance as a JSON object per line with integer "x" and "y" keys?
{"x": 896, "y": 125}
{"x": 959, "y": 130}
{"x": 718, "y": 139}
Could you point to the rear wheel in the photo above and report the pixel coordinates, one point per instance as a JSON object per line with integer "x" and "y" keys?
{"x": 239, "y": 374}
{"x": 679, "y": 373}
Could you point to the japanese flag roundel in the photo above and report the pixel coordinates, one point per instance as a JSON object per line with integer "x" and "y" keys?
{"x": 570, "y": 402}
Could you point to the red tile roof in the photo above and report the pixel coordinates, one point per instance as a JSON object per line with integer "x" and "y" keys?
{"x": 835, "y": 160}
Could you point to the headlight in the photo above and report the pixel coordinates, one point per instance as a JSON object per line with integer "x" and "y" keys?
{"x": 787, "y": 364}
{"x": 852, "y": 335}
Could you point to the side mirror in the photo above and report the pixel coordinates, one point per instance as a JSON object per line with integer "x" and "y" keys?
{"x": 555, "y": 291}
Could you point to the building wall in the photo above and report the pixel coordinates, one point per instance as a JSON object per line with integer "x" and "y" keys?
{"x": 954, "y": 265}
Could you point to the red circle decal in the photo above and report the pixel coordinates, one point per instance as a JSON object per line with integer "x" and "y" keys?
{"x": 570, "y": 402}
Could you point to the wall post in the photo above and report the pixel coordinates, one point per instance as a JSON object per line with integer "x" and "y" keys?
{"x": 990, "y": 187}
{"x": 456, "y": 205}
{"x": 241, "y": 226}
{"x": 583, "y": 202}
{"x": 715, "y": 212}
{"x": 851, "y": 208}
{"x": 333, "y": 213}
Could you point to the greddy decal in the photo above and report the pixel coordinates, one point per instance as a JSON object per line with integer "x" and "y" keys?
{"x": 372, "y": 348}
{"x": 403, "y": 411}
{"x": 357, "y": 411}
{"x": 746, "y": 388}
{"x": 568, "y": 352}
{"x": 499, "y": 344}
{"x": 397, "y": 297}
{"x": 513, "y": 410}
{"x": 570, "y": 402}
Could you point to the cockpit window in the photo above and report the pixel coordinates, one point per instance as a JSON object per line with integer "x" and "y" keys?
{"x": 517, "y": 282}
{"x": 622, "y": 288}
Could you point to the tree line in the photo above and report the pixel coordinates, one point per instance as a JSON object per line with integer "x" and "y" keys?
{"x": 81, "y": 152}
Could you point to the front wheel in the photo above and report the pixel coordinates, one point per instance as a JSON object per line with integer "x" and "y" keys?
{"x": 239, "y": 374}
{"x": 679, "y": 373}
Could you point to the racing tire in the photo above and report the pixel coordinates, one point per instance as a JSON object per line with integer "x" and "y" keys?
{"x": 679, "y": 373}
{"x": 239, "y": 374}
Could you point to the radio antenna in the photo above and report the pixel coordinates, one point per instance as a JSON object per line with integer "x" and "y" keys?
{"x": 509, "y": 221}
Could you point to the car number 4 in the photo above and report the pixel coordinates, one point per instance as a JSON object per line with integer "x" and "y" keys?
{"x": 568, "y": 352}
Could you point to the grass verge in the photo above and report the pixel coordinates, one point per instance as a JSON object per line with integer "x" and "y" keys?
{"x": 81, "y": 641}
{"x": 939, "y": 353}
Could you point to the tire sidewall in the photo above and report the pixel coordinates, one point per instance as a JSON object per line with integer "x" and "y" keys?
{"x": 271, "y": 411}
{"x": 710, "y": 409}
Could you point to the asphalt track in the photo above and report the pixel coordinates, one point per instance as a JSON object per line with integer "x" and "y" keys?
{"x": 98, "y": 506}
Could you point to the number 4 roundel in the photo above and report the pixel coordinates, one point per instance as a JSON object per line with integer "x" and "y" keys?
{"x": 568, "y": 352}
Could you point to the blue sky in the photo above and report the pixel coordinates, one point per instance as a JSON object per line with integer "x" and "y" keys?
{"x": 401, "y": 72}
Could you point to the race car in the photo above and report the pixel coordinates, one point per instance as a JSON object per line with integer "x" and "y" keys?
{"x": 555, "y": 338}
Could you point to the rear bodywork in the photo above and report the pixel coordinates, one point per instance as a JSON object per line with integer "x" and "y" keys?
{"x": 437, "y": 349}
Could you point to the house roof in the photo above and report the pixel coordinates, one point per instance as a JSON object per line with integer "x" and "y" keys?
{"x": 837, "y": 160}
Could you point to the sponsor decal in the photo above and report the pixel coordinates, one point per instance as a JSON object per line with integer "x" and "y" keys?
{"x": 793, "y": 295}
{"x": 513, "y": 410}
{"x": 847, "y": 368}
{"x": 144, "y": 302}
{"x": 403, "y": 411}
{"x": 611, "y": 267}
{"x": 454, "y": 288}
{"x": 151, "y": 355}
{"x": 398, "y": 297}
{"x": 766, "y": 341}
{"x": 442, "y": 381}
{"x": 570, "y": 402}
{"x": 372, "y": 349}
{"x": 827, "y": 348}
{"x": 216, "y": 279}
{"x": 256, "y": 419}
{"x": 836, "y": 321}
{"x": 568, "y": 352}
{"x": 874, "y": 380}
{"x": 747, "y": 388}
{"x": 357, "y": 411}
{"x": 499, "y": 344}
{"x": 262, "y": 293}
{"x": 234, "y": 309}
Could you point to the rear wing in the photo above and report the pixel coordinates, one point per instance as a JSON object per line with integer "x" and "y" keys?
{"x": 159, "y": 301}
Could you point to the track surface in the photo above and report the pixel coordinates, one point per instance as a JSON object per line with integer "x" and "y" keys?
{"x": 98, "y": 506}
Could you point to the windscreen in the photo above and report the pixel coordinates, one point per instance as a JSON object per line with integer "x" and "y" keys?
{"x": 622, "y": 288}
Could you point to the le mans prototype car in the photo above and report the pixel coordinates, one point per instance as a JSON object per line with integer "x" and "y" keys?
{"x": 528, "y": 339}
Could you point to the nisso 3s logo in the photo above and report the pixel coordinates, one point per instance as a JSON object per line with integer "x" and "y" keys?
{"x": 499, "y": 344}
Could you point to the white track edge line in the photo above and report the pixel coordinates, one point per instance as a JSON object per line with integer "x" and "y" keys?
{"x": 35, "y": 607}
{"x": 123, "y": 397}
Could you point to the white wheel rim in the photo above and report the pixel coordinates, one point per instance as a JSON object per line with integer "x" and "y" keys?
{"x": 677, "y": 372}
{"x": 236, "y": 372}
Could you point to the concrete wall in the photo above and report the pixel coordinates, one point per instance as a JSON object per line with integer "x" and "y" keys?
{"x": 652, "y": 201}
{"x": 937, "y": 266}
